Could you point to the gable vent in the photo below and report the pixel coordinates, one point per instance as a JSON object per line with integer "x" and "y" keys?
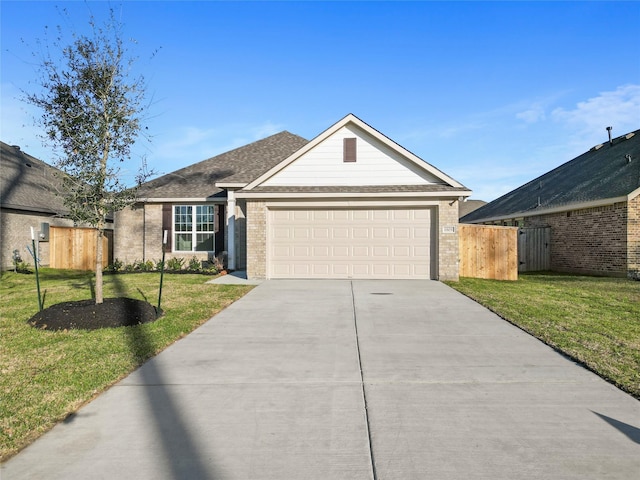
{"x": 349, "y": 153}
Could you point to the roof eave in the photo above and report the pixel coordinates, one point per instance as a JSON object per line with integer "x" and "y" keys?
{"x": 273, "y": 195}
{"x": 559, "y": 209}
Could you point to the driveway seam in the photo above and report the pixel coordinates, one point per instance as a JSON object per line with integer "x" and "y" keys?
{"x": 364, "y": 393}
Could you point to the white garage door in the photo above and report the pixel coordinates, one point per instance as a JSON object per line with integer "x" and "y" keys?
{"x": 349, "y": 243}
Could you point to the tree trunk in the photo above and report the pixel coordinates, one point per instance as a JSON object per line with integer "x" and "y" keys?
{"x": 99, "y": 253}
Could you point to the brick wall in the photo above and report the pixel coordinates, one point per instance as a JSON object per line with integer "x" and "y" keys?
{"x": 448, "y": 244}
{"x": 591, "y": 241}
{"x": 633, "y": 239}
{"x": 15, "y": 234}
{"x": 128, "y": 235}
{"x": 256, "y": 225}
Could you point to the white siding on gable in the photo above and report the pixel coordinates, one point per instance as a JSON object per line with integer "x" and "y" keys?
{"x": 376, "y": 164}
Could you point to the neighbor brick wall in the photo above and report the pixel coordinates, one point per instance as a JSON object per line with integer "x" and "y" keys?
{"x": 15, "y": 234}
{"x": 256, "y": 225}
{"x": 633, "y": 238}
{"x": 590, "y": 241}
{"x": 448, "y": 243}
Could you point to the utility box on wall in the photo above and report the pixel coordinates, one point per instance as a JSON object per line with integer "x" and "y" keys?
{"x": 44, "y": 232}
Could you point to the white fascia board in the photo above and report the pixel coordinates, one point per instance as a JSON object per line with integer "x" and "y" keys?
{"x": 351, "y": 118}
{"x": 230, "y": 184}
{"x": 266, "y": 195}
{"x": 563, "y": 208}
{"x": 182, "y": 200}
{"x": 633, "y": 194}
{"x": 354, "y": 203}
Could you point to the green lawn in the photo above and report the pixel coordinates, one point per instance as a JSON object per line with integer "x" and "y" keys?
{"x": 594, "y": 320}
{"x": 45, "y": 375}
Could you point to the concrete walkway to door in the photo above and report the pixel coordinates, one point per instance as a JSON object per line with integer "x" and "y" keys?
{"x": 348, "y": 380}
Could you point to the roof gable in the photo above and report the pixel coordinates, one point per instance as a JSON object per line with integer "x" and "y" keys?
{"x": 604, "y": 172}
{"x": 380, "y": 162}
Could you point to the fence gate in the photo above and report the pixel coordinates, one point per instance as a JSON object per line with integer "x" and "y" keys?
{"x": 534, "y": 251}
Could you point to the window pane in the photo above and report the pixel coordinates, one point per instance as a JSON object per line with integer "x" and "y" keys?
{"x": 205, "y": 218}
{"x": 183, "y": 242}
{"x": 204, "y": 242}
{"x": 182, "y": 218}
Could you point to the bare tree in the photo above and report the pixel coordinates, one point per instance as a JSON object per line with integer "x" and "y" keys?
{"x": 92, "y": 108}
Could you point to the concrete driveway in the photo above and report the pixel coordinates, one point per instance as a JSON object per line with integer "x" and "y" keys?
{"x": 348, "y": 380}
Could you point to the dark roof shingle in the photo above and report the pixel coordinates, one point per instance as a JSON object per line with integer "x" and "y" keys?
{"x": 241, "y": 165}
{"x": 27, "y": 183}
{"x": 601, "y": 173}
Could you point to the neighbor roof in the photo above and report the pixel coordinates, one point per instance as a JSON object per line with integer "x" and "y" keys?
{"x": 239, "y": 166}
{"x": 27, "y": 183}
{"x": 607, "y": 171}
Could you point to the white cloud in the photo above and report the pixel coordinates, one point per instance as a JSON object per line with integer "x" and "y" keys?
{"x": 532, "y": 115}
{"x": 619, "y": 108}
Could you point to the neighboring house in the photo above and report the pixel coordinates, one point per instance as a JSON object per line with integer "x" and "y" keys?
{"x": 27, "y": 199}
{"x": 351, "y": 203}
{"x": 591, "y": 204}
{"x": 469, "y": 206}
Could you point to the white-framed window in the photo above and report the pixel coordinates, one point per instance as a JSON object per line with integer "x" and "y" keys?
{"x": 194, "y": 228}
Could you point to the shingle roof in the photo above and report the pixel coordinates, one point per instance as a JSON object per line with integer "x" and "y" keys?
{"x": 241, "y": 165}
{"x": 601, "y": 173}
{"x": 27, "y": 183}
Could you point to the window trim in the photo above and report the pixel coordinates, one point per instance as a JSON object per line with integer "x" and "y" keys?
{"x": 194, "y": 232}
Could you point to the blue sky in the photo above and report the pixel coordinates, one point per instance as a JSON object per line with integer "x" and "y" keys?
{"x": 492, "y": 93}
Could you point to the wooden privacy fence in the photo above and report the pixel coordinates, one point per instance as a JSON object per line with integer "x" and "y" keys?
{"x": 488, "y": 251}
{"x": 75, "y": 248}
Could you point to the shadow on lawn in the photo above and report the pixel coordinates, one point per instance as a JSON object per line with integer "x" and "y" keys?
{"x": 181, "y": 451}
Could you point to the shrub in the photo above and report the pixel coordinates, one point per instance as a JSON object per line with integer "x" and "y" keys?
{"x": 194, "y": 264}
{"x": 175, "y": 263}
{"x": 116, "y": 266}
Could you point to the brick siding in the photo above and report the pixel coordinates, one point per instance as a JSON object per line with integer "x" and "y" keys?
{"x": 448, "y": 244}
{"x": 15, "y": 234}
{"x": 633, "y": 239}
{"x": 588, "y": 241}
{"x": 256, "y": 225}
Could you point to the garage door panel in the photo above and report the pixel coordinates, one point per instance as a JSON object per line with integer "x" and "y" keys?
{"x": 350, "y": 243}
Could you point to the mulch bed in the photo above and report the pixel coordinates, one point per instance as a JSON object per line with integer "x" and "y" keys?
{"x": 87, "y": 315}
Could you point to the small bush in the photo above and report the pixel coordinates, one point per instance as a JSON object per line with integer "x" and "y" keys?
{"x": 175, "y": 264}
{"x": 159, "y": 265}
{"x": 141, "y": 266}
{"x": 116, "y": 266}
{"x": 194, "y": 264}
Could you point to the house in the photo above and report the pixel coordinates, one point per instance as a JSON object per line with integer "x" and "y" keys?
{"x": 591, "y": 205}
{"x": 351, "y": 203}
{"x": 469, "y": 206}
{"x": 27, "y": 200}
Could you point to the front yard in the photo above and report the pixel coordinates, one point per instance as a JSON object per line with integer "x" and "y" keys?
{"x": 594, "y": 320}
{"x": 46, "y": 375}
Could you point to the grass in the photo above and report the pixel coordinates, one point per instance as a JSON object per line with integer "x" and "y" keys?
{"x": 593, "y": 320}
{"x": 46, "y": 375}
